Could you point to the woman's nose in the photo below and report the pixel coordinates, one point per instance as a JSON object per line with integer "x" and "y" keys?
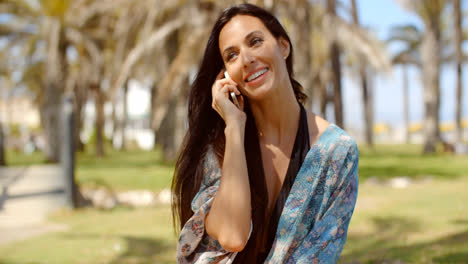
{"x": 247, "y": 58}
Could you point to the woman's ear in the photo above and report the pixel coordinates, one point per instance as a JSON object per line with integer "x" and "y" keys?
{"x": 284, "y": 47}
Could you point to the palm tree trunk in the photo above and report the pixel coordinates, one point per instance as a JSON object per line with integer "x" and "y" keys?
{"x": 368, "y": 111}
{"x": 124, "y": 118}
{"x": 80, "y": 100}
{"x": 405, "y": 102}
{"x": 459, "y": 56}
{"x": 165, "y": 133}
{"x": 179, "y": 127}
{"x": 321, "y": 94}
{"x": 50, "y": 119}
{"x": 114, "y": 119}
{"x": 336, "y": 70}
{"x": 99, "y": 125}
{"x": 2, "y": 146}
{"x": 172, "y": 130}
{"x": 153, "y": 107}
{"x": 50, "y": 108}
{"x": 431, "y": 68}
{"x": 299, "y": 12}
{"x": 367, "y": 98}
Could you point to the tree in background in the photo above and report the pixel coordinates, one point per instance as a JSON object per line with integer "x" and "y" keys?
{"x": 2, "y": 146}
{"x": 336, "y": 71}
{"x": 411, "y": 37}
{"x": 41, "y": 30}
{"x": 457, "y": 9}
{"x": 367, "y": 98}
{"x": 430, "y": 11}
{"x": 159, "y": 43}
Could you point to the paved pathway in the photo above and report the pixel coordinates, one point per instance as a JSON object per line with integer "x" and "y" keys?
{"x": 27, "y": 196}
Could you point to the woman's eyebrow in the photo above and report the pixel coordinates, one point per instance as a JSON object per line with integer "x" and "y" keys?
{"x": 228, "y": 49}
{"x": 256, "y": 32}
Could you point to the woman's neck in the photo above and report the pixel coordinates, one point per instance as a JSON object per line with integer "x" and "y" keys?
{"x": 277, "y": 117}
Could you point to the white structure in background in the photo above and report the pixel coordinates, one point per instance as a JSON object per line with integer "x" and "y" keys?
{"x": 138, "y": 124}
{"x": 20, "y": 111}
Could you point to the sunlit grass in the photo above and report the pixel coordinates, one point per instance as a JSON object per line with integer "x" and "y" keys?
{"x": 387, "y": 161}
{"x": 120, "y": 170}
{"x": 18, "y": 158}
{"x": 424, "y": 223}
{"x": 133, "y": 169}
{"x": 136, "y": 169}
{"x": 118, "y": 236}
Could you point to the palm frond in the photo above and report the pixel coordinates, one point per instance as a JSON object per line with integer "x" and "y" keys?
{"x": 356, "y": 40}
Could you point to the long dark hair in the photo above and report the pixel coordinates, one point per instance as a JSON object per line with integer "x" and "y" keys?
{"x": 206, "y": 128}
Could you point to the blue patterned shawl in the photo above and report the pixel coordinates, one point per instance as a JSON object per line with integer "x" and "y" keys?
{"x": 313, "y": 225}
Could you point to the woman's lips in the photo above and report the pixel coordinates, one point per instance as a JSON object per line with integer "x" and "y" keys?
{"x": 259, "y": 79}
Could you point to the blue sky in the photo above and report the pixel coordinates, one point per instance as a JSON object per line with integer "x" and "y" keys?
{"x": 380, "y": 16}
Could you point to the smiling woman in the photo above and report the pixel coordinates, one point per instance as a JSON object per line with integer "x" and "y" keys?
{"x": 265, "y": 181}
{"x": 255, "y": 61}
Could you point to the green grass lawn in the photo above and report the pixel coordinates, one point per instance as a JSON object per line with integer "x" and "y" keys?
{"x": 125, "y": 170}
{"x": 387, "y": 161}
{"x": 132, "y": 169}
{"x": 136, "y": 169}
{"x": 118, "y": 236}
{"x": 424, "y": 223}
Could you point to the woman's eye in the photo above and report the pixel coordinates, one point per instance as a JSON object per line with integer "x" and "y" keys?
{"x": 230, "y": 56}
{"x": 256, "y": 41}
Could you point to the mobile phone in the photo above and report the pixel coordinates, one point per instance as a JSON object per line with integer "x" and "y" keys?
{"x": 233, "y": 95}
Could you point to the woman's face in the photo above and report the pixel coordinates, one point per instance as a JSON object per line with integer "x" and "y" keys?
{"x": 253, "y": 57}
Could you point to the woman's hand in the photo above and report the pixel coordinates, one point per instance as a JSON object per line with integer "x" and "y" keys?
{"x": 221, "y": 89}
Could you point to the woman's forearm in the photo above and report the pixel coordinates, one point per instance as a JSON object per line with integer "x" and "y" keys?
{"x": 229, "y": 218}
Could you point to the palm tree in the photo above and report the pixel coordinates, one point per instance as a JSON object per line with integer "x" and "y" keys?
{"x": 44, "y": 23}
{"x": 2, "y": 147}
{"x": 366, "y": 97}
{"x": 459, "y": 60}
{"x": 140, "y": 33}
{"x": 411, "y": 37}
{"x": 430, "y": 12}
{"x": 297, "y": 15}
{"x": 356, "y": 44}
{"x": 2, "y": 142}
{"x": 336, "y": 71}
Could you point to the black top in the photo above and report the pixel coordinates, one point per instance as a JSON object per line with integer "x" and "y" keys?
{"x": 299, "y": 152}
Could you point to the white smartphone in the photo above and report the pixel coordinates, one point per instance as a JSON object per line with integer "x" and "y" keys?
{"x": 233, "y": 95}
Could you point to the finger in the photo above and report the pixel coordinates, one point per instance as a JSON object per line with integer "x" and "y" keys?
{"x": 227, "y": 89}
{"x": 217, "y": 86}
{"x": 235, "y": 89}
{"x": 221, "y": 94}
{"x": 231, "y": 81}
{"x": 220, "y": 75}
{"x": 226, "y": 81}
{"x": 241, "y": 102}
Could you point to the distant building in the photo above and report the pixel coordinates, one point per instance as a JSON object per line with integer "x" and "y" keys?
{"x": 19, "y": 110}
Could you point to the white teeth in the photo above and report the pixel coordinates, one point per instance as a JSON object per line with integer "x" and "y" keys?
{"x": 255, "y": 75}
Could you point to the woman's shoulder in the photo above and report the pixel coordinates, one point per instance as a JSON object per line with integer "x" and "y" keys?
{"x": 317, "y": 126}
{"x": 330, "y": 138}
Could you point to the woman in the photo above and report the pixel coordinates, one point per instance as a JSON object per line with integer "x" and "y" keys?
{"x": 265, "y": 181}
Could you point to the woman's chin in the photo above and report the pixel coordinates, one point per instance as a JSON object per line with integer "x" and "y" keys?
{"x": 259, "y": 93}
